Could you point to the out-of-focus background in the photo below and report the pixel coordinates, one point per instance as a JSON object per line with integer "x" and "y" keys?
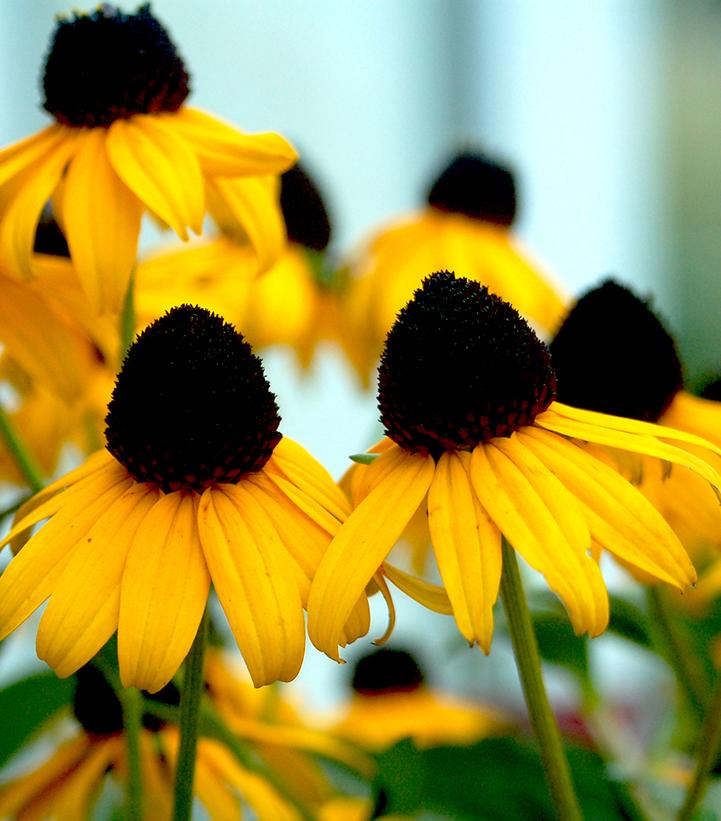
{"x": 609, "y": 112}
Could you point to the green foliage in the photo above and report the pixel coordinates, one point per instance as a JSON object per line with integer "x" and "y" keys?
{"x": 26, "y": 705}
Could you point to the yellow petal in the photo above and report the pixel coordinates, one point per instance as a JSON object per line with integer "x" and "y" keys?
{"x": 82, "y": 612}
{"x": 362, "y": 544}
{"x": 20, "y": 217}
{"x": 251, "y": 206}
{"x": 31, "y": 576}
{"x": 467, "y": 549}
{"x": 21, "y": 155}
{"x": 520, "y": 514}
{"x": 619, "y": 517}
{"x": 160, "y": 169}
{"x": 224, "y": 151}
{"x": 259, "y": 593}
{"x": 101, "y": 217}
{"x": 163, "y": 593}
{"x": 432, "y": 596}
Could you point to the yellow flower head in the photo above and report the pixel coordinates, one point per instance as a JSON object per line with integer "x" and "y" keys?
{"x": 467, "y": 397}
{"x": 196, "y": 485}
{"x": 466, "y": 226}
{"x": 124, "y": 143}
{"x": 613, "y": 354}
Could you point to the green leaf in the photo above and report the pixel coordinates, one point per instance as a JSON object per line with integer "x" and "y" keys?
{"x": 26, "y": 705}
{"x": 629, "y": 622}
{"x": 363, "y": 458}
{"x": 558, "y": 644}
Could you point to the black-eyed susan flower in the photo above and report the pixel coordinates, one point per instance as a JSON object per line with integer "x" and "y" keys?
{"x": 613, "y": 354}
{"x": 124, "y": 143}
{"x": 392, "y": 701}
{"x": 195, "y": 485}
{"x": 467, "y": 397}
{"x": 69, "y": 783}
{"x": 465, "y": 226}
{"x": 294, "y": 303}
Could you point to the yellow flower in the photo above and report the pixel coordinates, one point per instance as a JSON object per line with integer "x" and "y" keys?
{"x": 466, "y": 393}
{"x": 465, "y": 227}
{"x": 124, "y": 143}
{"x": 68, "y": 783}
{"x": 196, "y": 484}
{"x": 391, "y": 701}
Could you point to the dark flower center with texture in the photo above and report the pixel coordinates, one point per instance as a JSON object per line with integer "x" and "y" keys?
{"x": 191, "y": 406}
{"x": 477, "y": 187}
{"x": 108, "y": 65}
{"x": 386, "y": 671}
{"x": 304, "y": 212}
{"x": 460, "y": 367}
{"x": 612, "y": 354}
{"x": 98, "y": 709}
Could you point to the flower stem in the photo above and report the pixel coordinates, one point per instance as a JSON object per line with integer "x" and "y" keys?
{"x": 127, "y": 318}
{"x": 189, "y": 721}
{"x": 708, "y": 746}
{"x": 676, "y": 647}
{"x": 132, "y": 703}
{"x": 525, "y": 650}
{"x": 23, "y": 458}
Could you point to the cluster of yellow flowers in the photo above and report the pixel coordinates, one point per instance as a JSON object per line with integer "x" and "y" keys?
{"x": 187, "y": 481}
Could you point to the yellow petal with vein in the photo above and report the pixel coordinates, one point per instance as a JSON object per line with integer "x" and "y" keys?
{"x": 82, "y": 612}
{"x": 362, "y": 544}
{"x": 432, "y": 596}
{"x": 619, "y": 517}
{"x": 467, "y": 549}
{"x": 224, "y": 151}
{"x": 258, "y": 591}
{"x": 101, "y": 217}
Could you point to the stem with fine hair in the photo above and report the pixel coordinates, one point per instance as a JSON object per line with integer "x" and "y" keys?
{"x": 22, "y": 457}
{"x": 708, "y": 746}
{"x": 525, "y": 650}
{"x": 189, "y": 721}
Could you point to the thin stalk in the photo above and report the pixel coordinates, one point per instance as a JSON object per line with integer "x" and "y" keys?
{"x": 708, "y": 746}
{"x": 24, "y": 460}
{"x": 685, "y": 666}
{"x": 127, "y": 318}
{"x": 189, "y": 721}
{"x": 525, "y": 650}
{"x": 132, "y": 703}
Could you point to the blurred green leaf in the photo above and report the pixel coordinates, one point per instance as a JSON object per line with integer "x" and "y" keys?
{"x": 629, "y": 622}
{"x": 26, "y": 705}
{"x": 558, "y": 644}
{"x": 498, "y": 779}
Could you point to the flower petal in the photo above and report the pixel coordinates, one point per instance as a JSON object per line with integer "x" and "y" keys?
{"x": 467, "y": 549}
{"x": 160, "y": 169}
{"x": 21, "y": 155}
{"x": 362, "y": 544}
{"x": 259, "y": 593}
{"x": 224, "y": 151}
{"x": 163, "y": 593}
{"x": 619, "y": 517}
{"x": 523, "y": 518}
{"x": 101, "y": 218}
{"x": 432, "y": 596}
{"x": 82, "y": 612}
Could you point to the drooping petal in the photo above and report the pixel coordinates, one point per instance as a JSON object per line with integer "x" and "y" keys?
{"x": 82, "y": 612}
{"x": 467, "y": 549}
{"x": 249, "y": 208}
{"x": 362, "y": 544}
{"x": 160, "y": 169}
{"x": 21, "y": 155}
{"x": 101, "y": 218}
{"x": 163, "y": 593}
{"x": 432, "y": 596}
{"x": 619, "y": 517}
{"x": 224, "y": 151}
{"x": 523, "y": 518}
{"x": 32, "y": 575}
{"x": 258, "y": 591}
{"x": 21, "y": 214}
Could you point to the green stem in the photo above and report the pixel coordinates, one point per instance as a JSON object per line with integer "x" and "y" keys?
{"x": 525, "y": 650}
{"x": 708, "y": 746}
{"x": 189, "y": 721}
{"x": 127, "y": 318}
{"x": 676, "y": 647}
{"x": 132, "y": 714}
{"x": 23, "y": 458}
